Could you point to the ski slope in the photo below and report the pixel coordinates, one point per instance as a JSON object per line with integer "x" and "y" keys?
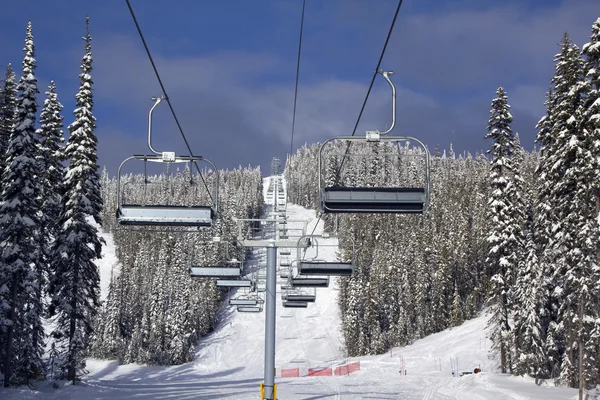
{"x": 229, "y": 361}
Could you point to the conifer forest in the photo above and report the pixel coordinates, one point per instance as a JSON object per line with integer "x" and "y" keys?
{"x": 510, "y": 232}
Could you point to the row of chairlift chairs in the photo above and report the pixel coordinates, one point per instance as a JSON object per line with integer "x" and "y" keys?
{"x": 303, "y": 273}
{"x": 310, "y": 273}
{"x": 302, "y": 276}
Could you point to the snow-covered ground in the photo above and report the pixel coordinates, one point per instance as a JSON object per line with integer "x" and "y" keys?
{"x": 229, "y": 362}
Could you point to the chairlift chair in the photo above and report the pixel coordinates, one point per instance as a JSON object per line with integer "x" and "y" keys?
{"x": 134, "y": 214}
{"x": 249, "y": 309}
{"x": 294, "y": 304}
{"x": 301, "y": 297}
{"x": 234, "y": 283}
{"x": 227, "y": 269}
{"x": 243, "y": 302}
{"x": 309, "y": 282}
{"x": 261, "y": 287}
{"x": 139, "y": 214}
{"x": 317, "y": 267}
{"x": 216, "y": 271}
{"x": 396, "y": 200}
{"x": 328, "y": 268}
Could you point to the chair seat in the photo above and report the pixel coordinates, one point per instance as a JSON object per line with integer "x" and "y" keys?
{"x": 340, "y": 199}
{"x": 325, "y": 268}
{"x": 161, "y": 215}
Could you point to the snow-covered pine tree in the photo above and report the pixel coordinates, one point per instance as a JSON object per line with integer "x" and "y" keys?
{"x": 74, "y": 287}
{"x": 567, "y": 208}
{"x": 545, "y": 218}
{"x": 51, "y": 158}
{"x": 501, "y": 258}
{"x": 591, "y": 120}
{"x": 51, "y": 175}
{"x": 8, "y": 101}
{"x": 576, "y": 237}
{"x": 457, "y": 316}
{"x": 517, "y": 194}
{"x": 529, "y": 350}
{"x": 19, "y": 227}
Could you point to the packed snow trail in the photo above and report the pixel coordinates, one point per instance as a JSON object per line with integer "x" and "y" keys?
{"x": 229, "y": 361}
{"x": 305, "y": 337}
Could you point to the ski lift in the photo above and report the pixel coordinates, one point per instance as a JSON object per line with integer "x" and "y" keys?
{"x": 140, "y": 214}
{"x": 309, "y": 282}
{"x": 343, "y": 199}
{"x": 234, "y": 283}
{"x": 249, "y": 309}
{"x": 317, "y": 267}
{"x": 220, "y": 271}
{"x": 243, "y": 302}
{"x": 299, "y": 296}
{"x": 261, "y": 287}
{"x": 294, "y": 304}
{"x": 328, "y": 268}
{"x": 225, "y": 270}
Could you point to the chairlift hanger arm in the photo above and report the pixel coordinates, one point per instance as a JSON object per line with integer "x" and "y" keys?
{"x": 386, "y": 75}
{"x": 156, "y": 100}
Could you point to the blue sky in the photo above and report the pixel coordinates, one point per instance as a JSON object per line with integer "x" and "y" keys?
{"x": 229, "y": 68}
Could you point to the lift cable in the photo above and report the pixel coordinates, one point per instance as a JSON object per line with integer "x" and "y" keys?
{"x": 387, "y": 39}
{"x": 362, "y": 109}
{"x": 162, "y": 86}
{"x": 297, "y": 75}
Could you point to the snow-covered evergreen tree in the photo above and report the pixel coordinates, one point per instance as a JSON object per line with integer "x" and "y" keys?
{"x": 457, "y": 313}
{"x": 568, "y": 175}
{"x": 517, "y": 194}
{"x": 8, "y": 101}
{"x": 576, "y": 237}
{"x": 51, "y": 158}
{"x": 591, "y": 121}
{"x": 503, "y": 246}
{"x": 20, "y": 303}
{"x": 529, "y": 350}
{"x": 74, "y": 287}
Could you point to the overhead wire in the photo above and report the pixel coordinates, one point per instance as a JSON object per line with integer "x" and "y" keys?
{"x": 166, "y": 96}
{"x": 362, "y": 109}
{"x": 297, "y": 76}
{"x": 377, "y": 69}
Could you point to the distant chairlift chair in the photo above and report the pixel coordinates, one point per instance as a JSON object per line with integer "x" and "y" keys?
{"x": 294, "y": 304}
{"x": 317, "y": 267}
